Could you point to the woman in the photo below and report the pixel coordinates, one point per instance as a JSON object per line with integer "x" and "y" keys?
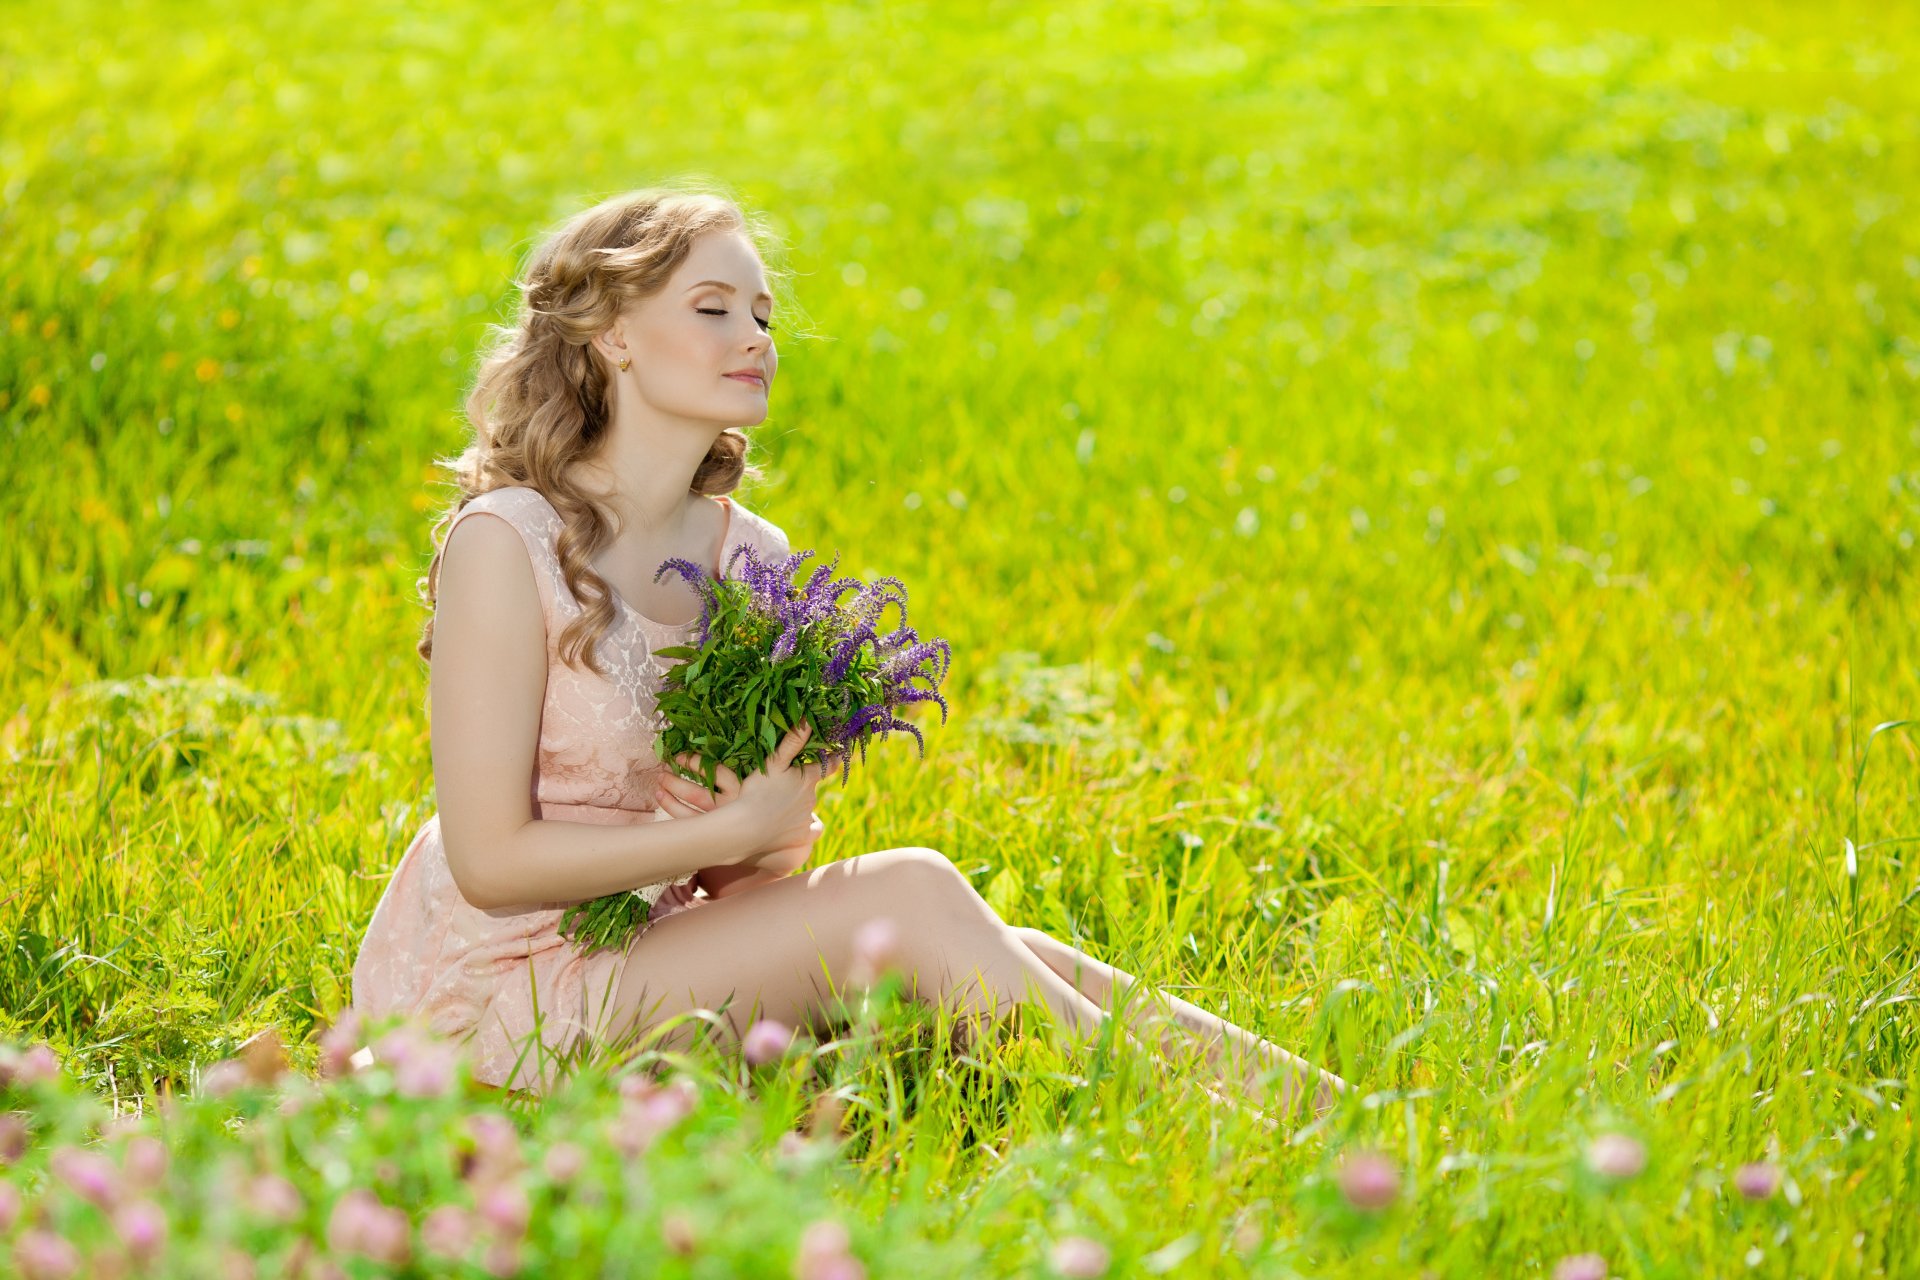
{"x": 606, "y": 435}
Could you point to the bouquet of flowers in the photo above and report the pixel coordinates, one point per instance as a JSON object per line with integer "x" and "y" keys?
{"x": 771, "y": 656}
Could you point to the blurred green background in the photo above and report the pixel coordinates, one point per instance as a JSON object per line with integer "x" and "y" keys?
{"x": 1423, "y": 499}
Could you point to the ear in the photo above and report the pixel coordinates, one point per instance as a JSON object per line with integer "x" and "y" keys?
{"x": 612, "y": 342}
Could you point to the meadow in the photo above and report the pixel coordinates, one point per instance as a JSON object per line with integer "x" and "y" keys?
{"x": 1423, "y": 500}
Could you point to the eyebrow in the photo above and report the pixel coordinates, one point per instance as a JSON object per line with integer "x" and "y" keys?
{"x": 722, "y": 284}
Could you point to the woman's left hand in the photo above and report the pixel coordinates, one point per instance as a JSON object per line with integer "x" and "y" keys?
{"x": 680, "y": 798}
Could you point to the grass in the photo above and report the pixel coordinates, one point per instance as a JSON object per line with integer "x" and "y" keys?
{"x": 1423, "y": 500}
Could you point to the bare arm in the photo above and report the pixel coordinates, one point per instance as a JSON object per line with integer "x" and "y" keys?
{"x": 488, "y": 680}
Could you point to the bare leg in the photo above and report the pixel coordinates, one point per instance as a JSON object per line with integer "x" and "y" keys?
{"x": 784, "y": 950}
{"x": 1237, "y": 1056}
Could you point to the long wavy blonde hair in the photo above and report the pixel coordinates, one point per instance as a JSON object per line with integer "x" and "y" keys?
{"x": 542, "y": 398}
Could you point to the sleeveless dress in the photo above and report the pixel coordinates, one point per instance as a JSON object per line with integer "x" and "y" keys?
{"x": 475, "y": 974}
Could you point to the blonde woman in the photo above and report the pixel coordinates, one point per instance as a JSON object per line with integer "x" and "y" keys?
{"x": 607, "y": 435}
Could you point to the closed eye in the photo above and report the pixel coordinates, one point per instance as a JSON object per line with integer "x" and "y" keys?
{"x": 721, "y": 311}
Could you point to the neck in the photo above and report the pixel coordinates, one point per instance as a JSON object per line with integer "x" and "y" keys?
{"x": 644, "y": 478}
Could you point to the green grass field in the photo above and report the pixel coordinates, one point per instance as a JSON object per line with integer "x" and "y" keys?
{"x": 1423, "y": 500}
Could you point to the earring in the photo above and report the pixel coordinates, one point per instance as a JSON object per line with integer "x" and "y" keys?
{"x": 624, "y": 363}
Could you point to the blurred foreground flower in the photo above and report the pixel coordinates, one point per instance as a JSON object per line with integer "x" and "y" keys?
{"x": 506, "y": 1210}
{"x": 1758, "y": 1180}
{"x": 1615, "y": 1155}
{"x": 145, "y": 1161}
{"x": 223, "y": 1077}
{"x": 563, "y": 1161}
{"x": 142, "y": 1228}
{"x": 447, "y": 1232}
{"x": 648, "y": 1110}
{"x": 361, "y": 1224}
{"x": 264, "y": 1056}
{"x": 39, "y": 1254}
{"x": 1581, "y": 1266}
{"x": 428, "y": 1071}
{"x": 677, "y": 1229}
{"x": 876, "y": 950}
{"x": 338, "y": 1043}
{"x": 88, "y": 1174}
{"x": 767, "y": 1040}
{"x": 823, "y": 1254}
{"x": 270, "y": 1196}
{"x": 22, "y": 1067}
{"x": 1079, "y": 1256}
{"x": 771, "y": 656}
{"x": 496, "y": 1156}
{"x": 13, "y": 1136}
{"x": 1369, "y": 1181}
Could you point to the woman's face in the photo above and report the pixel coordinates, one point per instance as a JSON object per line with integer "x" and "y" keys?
{"x": 708, "y": 324}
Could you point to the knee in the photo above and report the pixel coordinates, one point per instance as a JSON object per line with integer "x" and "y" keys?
{"x": 915, "y": 878}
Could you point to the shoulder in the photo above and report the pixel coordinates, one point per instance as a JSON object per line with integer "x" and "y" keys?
{"x": 753, "y": 529}
{"x": 487, "y": 550}
{"x": 520, "y": 505}
{"x": 526, "y": 509}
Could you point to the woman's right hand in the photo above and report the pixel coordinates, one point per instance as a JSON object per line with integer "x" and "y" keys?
{"x": 777, "y": 802}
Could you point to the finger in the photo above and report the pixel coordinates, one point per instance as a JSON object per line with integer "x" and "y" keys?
{"x": 728, "y": 780}
{"x": 673, "y": 807}
{"x": 791, "y": 745}
{"x": 687, "y": 793}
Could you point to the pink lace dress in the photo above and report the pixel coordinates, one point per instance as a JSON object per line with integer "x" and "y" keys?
{"x": 479, "y": 974}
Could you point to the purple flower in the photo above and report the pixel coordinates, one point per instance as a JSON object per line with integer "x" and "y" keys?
{"x": 845, "y": 650}
{"x": 836, "y": 620}
{"x": 862, "y": 718}
{"x": 922, "y": 695}
{"x": 697, "y": 578}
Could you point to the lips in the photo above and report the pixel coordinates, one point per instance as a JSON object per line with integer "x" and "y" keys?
{"x": 751, "y": 379}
